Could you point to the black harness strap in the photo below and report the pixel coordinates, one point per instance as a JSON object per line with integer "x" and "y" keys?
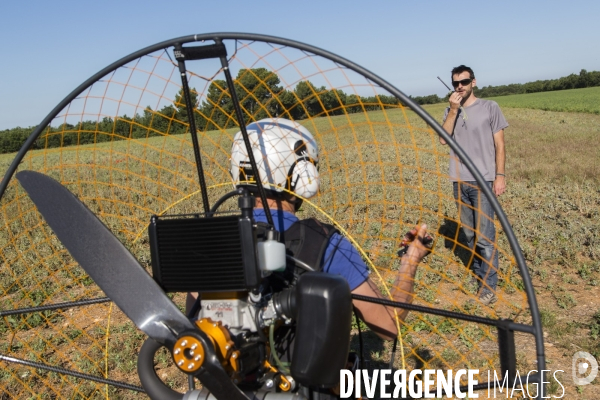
{"x": 307, "y": 241}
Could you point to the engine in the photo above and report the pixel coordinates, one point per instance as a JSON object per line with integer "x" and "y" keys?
{"x": 255, "y": 305}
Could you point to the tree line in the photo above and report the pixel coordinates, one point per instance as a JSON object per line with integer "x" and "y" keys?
{"x": 258, "y": 90}
{"x": 261, "y": 95}
{"x": 573, "y": 81}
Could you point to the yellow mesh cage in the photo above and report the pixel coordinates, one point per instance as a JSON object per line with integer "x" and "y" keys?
{"x": 122, "y": 145}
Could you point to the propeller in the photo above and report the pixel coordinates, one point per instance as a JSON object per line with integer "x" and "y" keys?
{"x": 116, "y": 271}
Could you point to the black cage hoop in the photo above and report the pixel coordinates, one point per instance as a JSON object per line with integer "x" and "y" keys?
{"x": 216, "y": 38}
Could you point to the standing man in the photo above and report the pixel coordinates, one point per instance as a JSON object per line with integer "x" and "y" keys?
{"x": 477, "y": 125}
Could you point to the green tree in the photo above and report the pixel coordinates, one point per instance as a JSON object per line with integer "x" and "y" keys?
{"x": 353, "y": 104}
{"x": 123, "y": 127}
{"x": 217, "y": 109}
{"x": 257, "y": 90}
{"x": 181, "y": 112}
{"x": 308, "y": 100}
{"x": 287, "y": 105}
{"x": 333, "y": 101}
{"x": 11, "y": 140}
{"x": 162, "y": 121}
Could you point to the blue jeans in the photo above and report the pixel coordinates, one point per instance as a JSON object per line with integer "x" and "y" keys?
{"x": 477, "y": 220}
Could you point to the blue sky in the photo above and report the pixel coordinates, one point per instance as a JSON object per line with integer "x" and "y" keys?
{"x": 47, "y": 48}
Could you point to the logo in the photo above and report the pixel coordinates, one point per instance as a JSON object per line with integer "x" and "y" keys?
{"x": 585, "y": 368}
{"x": 428, "y": 383}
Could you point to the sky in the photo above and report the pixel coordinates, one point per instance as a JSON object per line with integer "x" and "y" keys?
{"x": 48, "y": 48}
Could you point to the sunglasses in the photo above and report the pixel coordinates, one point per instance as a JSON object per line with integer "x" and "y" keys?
{"x": 463, "y": 82}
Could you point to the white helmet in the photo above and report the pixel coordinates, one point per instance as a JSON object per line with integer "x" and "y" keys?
{"x": 286, "y": 155}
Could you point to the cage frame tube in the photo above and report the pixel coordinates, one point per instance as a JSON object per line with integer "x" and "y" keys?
{"x": 507, "y": 324}
{"x": 192, "y": 126}
{"x": 56, "y": 306}
{"x": 519, "y": 258}
{"x": 70, "y": 372}
{"x": 240, "y": 117}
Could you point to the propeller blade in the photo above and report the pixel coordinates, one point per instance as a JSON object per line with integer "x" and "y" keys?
{"x": 114, "y": 269}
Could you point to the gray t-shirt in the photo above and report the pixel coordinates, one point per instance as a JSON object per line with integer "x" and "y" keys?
{"x": 474, "y": 132}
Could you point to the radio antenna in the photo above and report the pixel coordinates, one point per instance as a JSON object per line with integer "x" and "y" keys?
{"x": 445, "y": 84}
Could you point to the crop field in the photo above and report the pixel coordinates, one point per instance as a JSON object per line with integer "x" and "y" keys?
{"x": 364, "y": 159}
{"x": 553, "y": 202}
{"x": 586, "y": 100}
{"x": 382, "y": 171}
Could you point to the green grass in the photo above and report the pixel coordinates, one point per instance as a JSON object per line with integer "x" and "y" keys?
{"x": 553, "y": 204}
{"x": 586, "y": 100}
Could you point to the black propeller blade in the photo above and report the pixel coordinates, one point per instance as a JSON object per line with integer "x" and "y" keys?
{"x": 105, "y": 259}
{"x": 116, "y": 271}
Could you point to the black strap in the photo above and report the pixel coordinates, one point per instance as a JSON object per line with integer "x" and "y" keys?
{"x": 307, "y": 240}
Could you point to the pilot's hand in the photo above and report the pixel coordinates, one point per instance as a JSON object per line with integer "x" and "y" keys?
{"x": 417, "y": 244}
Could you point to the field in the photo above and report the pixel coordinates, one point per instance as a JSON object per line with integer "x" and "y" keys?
{"x": 552, "y": 202}
{"x": 585, "y": 100}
